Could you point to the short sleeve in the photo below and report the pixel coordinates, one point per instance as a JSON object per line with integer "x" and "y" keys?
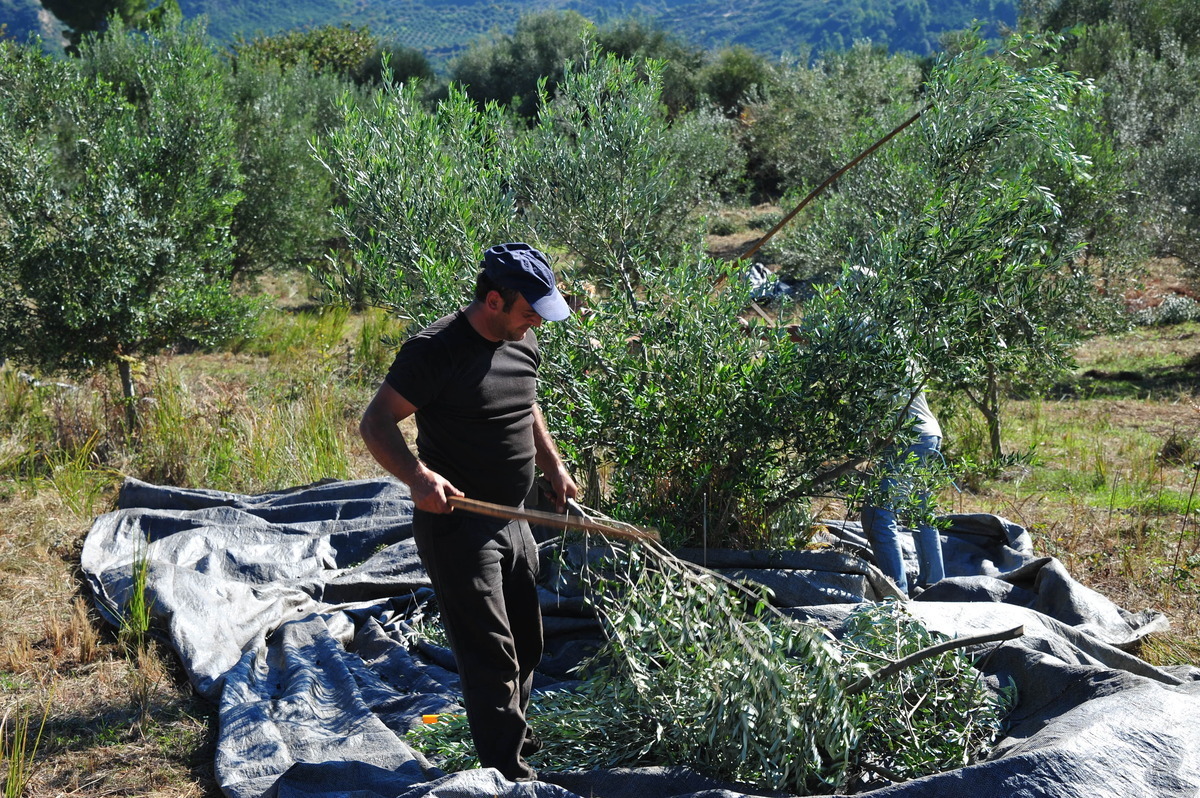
{"x": 418, "y": 372}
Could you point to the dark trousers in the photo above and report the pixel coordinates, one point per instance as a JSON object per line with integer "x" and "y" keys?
{"x": 484, "y": 573}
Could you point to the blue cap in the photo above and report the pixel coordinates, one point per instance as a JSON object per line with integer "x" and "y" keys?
{"x": 521, "y": 267}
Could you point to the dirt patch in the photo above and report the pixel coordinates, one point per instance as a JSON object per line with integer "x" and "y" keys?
{"x": 1157, "y": 419}
{"x": 738, "y": 229}
{"x": 731, "y": 247}
{"x": 1163, "y": 278}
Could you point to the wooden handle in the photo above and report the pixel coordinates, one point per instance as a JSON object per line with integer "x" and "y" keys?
{"x": 552, "y": 519}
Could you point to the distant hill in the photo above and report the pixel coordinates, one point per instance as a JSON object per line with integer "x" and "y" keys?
{"x": 442, "y": 27}
{"x": 24, "y": 17}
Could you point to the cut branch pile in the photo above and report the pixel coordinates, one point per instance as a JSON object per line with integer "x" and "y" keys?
{"x": 702, "y": 671}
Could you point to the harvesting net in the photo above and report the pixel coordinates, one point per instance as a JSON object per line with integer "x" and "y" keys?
{"x": 294, "y": 612}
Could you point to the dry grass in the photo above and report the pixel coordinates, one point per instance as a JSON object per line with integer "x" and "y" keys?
{"x": 115, "y": 726}
{"x": 1128, "y": 557}
{"x": 278, "y": 411}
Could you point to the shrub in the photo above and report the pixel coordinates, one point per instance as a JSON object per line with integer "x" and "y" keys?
{"x": 341, "y": 50}
{"x": 507, "y": 69}
{"x": 283, "y": 220}
{"x": 607, "y": 176}
{"x": 1174, "y": 309}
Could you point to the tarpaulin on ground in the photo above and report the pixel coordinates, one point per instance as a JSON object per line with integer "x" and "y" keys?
{"x": 291, "y": 611}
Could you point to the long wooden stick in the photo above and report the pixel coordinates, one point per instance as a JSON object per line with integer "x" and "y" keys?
{"x": 828, "y": 181}
{"x": 626, "y": 531}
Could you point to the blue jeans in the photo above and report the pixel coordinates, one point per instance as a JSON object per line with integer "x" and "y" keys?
{"x": 883, "y": 529}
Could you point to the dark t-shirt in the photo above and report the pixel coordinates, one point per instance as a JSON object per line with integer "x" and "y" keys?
{"x": 474, "y": 400}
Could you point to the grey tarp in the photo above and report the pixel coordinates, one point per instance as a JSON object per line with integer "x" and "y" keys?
{"x": 290, "y": 611}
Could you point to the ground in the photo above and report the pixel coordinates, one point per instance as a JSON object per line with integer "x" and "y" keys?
{"x": 1105, "y": 479}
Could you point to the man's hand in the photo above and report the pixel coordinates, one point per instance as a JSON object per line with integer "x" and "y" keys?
{"x": 431, "y": 491}
{"x": 562, "y": 487}
{"x": 551, "y": 464}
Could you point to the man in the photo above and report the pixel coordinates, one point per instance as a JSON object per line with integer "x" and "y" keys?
{"x": 879, "y": 521}
{"x": 470, "y": 378}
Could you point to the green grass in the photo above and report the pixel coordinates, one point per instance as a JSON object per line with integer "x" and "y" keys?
{"x": 21, "y": 731}
{"x": 1104, "y": 473}
{"x": 1087, "y": 454}
{"x": 281, "y": 333}
{"x": 1160, "y": 362}
{"x": 247, "y": 439}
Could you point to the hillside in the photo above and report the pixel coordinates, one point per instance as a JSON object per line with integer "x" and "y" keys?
{"x": 442, "y": 27}
{"x": 23, "y": 17}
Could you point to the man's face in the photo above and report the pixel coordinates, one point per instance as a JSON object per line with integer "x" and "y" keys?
{"x": 512, "y": 324}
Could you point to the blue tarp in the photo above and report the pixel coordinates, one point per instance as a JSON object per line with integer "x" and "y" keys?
{"x": 291, "y": 611}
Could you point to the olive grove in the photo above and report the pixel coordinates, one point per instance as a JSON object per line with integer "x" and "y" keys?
{"x": 678, "y": 410}
{"x": 149, "y": 181}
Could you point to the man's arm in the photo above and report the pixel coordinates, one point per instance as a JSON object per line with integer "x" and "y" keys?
{"x": 548, "y": 459}
{"x": 381, "y": 432}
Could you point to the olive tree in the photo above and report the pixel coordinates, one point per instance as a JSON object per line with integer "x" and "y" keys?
{"x": 92, "y": 16}
{"x": 116, "y": 209}
{"x": 960, "y": 228}
{"x": 1144, "y": 58}
{"x": 676, "y": 410}
{"x": 609, "y": 177}
{"x": 734, "y": 77}
{"x": 669, "y": 409}
{"x": 804, "y": 114}
{"x": 506, "y": 69}
{"x": 516, "y": 69}
{"x": 283, "y": 221}
{"x": 424, "y": 193}
{"x": 947, "y": 270}
{"x": 683, "y": 65}
{"x": 1152, "y": 104}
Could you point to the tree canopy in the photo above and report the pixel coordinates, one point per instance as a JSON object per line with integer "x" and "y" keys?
{"x": 160, "y": 173}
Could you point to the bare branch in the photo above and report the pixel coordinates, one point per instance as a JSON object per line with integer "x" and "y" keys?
{"x": 893, "y": 668}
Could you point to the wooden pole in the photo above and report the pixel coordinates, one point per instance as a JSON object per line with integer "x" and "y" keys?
{"x": 556, "y": 520}
{"x": 828, "y": 181}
